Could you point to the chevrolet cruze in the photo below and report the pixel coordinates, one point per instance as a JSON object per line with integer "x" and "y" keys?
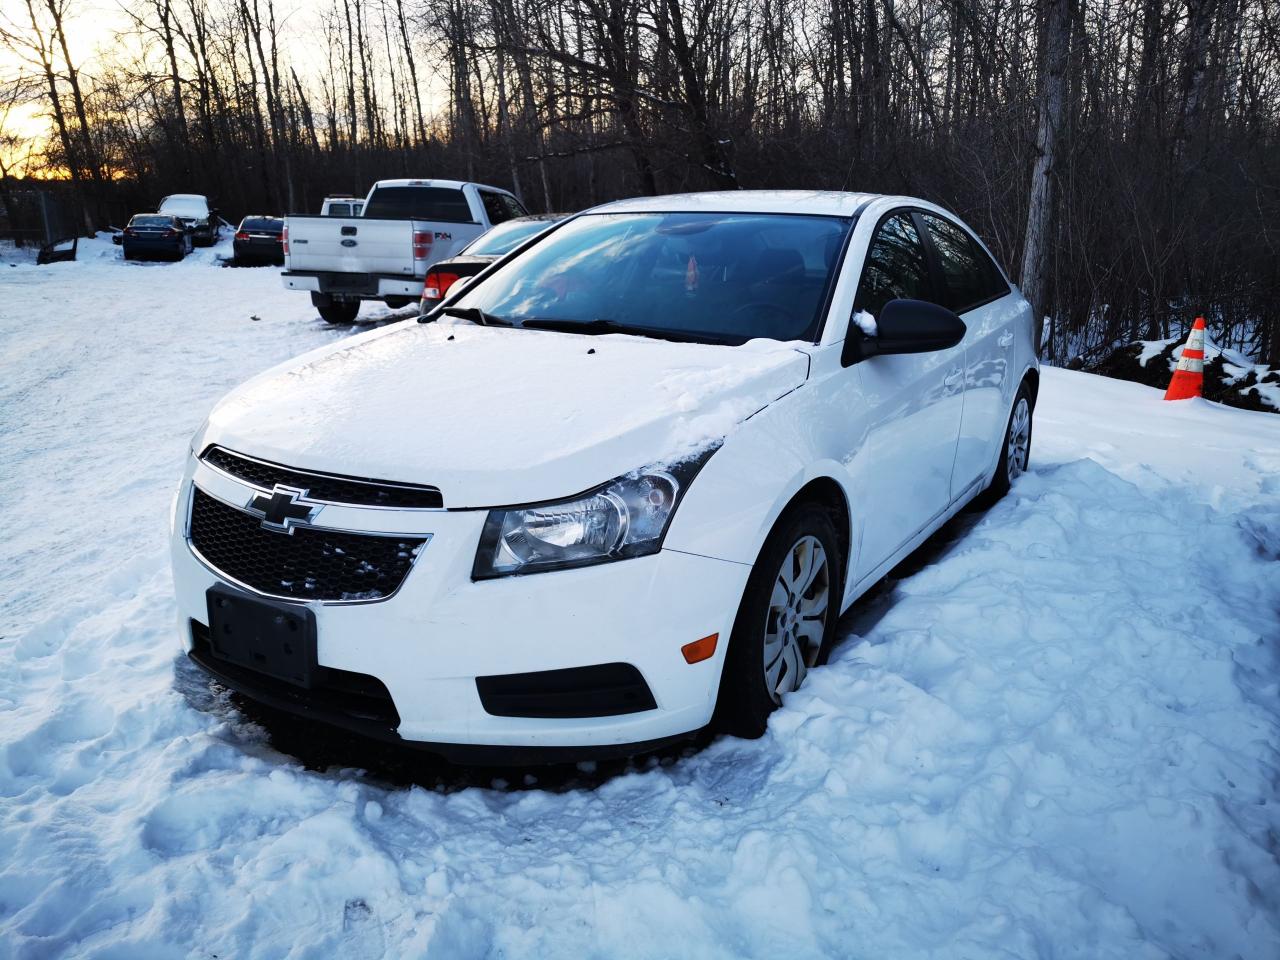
{"x": 617, "y": 487}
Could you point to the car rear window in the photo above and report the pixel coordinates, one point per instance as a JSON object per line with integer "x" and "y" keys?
{"x": 151, "y": 221}
{"x": 419, "y": 203}
{"x": 185, "y": 207}
{"x": 263, "y": 224}
{"x": 339, "y": 210}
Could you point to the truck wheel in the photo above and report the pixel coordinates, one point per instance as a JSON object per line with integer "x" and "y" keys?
{"x": 337, "y": 312}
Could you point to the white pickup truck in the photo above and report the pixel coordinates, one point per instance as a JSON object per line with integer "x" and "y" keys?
{"x": 384, "y": 254}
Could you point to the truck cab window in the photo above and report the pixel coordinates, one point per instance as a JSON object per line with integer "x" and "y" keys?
{"x": 500, "y": 208}
{"x": 419, "y": 203}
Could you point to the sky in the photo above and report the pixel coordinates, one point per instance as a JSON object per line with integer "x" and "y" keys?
{"x": 94, "y": 25}
{"x": 91, "y": 24}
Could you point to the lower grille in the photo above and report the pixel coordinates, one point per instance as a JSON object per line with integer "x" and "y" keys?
{"x": 601, "y": 690}
{"x": 309, "y": 564}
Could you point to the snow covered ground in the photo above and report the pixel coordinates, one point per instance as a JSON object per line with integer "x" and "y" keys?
{"x": 1056, "y": 738}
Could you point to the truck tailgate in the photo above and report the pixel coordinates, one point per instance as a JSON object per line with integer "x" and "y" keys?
{"x": 350, "y": 245}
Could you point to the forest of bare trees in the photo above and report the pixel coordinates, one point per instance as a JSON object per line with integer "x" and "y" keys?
{"x": 1121, "y": 157}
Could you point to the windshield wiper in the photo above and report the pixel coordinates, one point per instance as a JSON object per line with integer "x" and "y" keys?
{"x": 474, "y": 314}
{"x": 602, "y": 325}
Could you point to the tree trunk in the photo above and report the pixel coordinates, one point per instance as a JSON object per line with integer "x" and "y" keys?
{"x": 1036, "y": 280}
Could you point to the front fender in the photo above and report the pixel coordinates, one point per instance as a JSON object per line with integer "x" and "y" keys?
{"x": 739, "y": 495}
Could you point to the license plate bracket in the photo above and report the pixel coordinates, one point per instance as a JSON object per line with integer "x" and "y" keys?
{"x": 356, "y": 283}
{"x": 277, "y": 639}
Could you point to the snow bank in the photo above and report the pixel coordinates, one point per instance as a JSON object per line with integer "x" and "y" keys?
{"x": 1230, "y": 376}
{"x": 1057, "y": 739}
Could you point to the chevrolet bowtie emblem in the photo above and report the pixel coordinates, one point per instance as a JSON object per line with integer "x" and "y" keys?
{"x": 283, "y": 509}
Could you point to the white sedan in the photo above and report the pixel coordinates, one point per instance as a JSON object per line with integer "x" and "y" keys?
{"x": 617, "y": 487}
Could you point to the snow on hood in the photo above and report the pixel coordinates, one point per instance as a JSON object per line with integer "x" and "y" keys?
{"x": 495, "y": 416}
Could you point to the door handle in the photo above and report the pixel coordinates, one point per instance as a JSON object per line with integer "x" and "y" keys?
{"x": 1006, "y": 339}
{"x": 952, "y": 378}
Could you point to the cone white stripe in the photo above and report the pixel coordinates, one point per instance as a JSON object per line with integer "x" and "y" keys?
{"x": 1195, "y": 341}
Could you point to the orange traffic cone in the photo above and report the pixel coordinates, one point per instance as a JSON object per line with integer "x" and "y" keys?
{"x": 1188, "y": 379}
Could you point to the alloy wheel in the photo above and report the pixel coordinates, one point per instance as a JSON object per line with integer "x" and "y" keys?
{"x": 796, "y": 620}
{"x": 1018, "y": 446}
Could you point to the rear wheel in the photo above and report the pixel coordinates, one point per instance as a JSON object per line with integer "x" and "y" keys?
{"x": 785, "y": 622}
{"x": 1016, "y": 451}
{"x": 337, "y": 312}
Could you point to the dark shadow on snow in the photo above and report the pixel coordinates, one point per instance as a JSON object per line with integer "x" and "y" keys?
{"x": 862, "y": 617}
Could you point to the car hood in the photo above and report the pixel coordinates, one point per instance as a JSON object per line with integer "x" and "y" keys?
{"x": 498, "y": 416}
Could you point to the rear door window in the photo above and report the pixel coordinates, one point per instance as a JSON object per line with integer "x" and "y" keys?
{"x": 499, "y": 207}
{"x": 971, "y": 278}
{"x": 895, "y": 268}
{"x": 514, "y": 207}
{"x": 447, "y": 204}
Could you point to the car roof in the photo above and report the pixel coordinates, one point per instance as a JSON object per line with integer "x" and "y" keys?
{"x": 187, "y": 196}
{"x": 262, "y": 216}
{"x": 821, "y": 202}
{"x": 169, "y": 216}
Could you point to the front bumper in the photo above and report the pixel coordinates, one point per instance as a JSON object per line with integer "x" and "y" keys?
{"x": 430, "y": 641}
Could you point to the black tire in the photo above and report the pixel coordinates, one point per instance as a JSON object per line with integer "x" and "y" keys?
{"x": 1005, "y": 476}
{"x": 745, "y": 699}
{"x": 396, "y": 303}
{"x": 340, "y": 313}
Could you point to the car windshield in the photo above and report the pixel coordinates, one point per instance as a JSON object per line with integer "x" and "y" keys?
{"x": 151, "y": 221}
{"x": 185, "y": 206}
{"x": 505, "y": 237}
{"x": 711, "y": 277}
{"x": 263, "y": 224}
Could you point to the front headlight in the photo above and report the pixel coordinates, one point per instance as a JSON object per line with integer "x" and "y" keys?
{"x": 627, "y": 517}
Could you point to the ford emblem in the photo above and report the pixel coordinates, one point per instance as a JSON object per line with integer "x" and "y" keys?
{"x": 349, "y": 243}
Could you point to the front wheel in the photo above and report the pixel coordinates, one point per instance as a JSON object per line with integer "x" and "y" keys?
{"x": 786, "y": 620}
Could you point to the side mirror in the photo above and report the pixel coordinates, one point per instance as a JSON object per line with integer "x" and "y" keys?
{"x": 905, "y": 326}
